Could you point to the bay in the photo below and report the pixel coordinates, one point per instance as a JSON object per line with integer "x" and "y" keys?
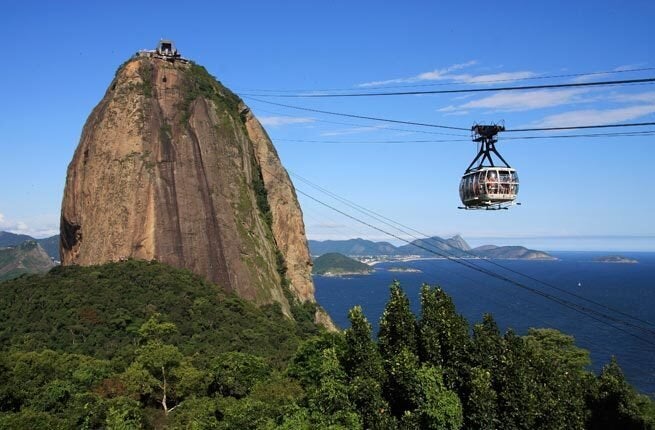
{"x": 628, "y": 288}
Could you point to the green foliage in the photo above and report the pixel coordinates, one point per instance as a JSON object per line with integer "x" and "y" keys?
{"x": 333, "y": 262}
{"x": 444, "y": 338}
{"x": 234, "y": 374}
{"x": 98, "y": 310}
{"x": 171, "y": 372}
{"x": 397, "y": 325}
{"x": 146, "y": 71}
{"x": 613, "y": 403}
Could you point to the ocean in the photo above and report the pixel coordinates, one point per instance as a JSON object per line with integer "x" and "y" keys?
{"x": 629, "y": 288}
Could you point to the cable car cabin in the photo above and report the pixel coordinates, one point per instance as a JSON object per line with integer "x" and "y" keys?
{"x": 489, "y": 188}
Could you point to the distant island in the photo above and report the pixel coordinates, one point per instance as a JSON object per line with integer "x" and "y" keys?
{"x": 335, "y": 264}
{"x": 616, "y": 259}
{"x": 430, "y": 247}
{"x": 404, "y": 270}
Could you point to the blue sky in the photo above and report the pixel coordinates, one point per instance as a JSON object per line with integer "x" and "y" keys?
{"x": 580, "y": 193}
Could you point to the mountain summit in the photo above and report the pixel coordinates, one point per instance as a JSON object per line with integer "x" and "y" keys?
{"x": 173, "y": 166}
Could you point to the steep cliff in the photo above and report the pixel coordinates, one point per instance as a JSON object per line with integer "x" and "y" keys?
{"x": 172, "y": 166}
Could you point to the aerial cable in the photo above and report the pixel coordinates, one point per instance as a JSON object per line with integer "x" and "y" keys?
{"x": 359, "y": 116}
{"x": 639, "y": 124}
{"x": 464, "y": 90}
{"x": 595, "y": 135}
{"x": 573, "y": 306}
{"x": 578, "y": 127}
{"x": 434, "y": 84}
{"x": 441, "y": 133}
{"x": 425, "y": 239}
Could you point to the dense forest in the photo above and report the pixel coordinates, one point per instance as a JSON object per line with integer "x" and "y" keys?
{"x": 135, "y": 345}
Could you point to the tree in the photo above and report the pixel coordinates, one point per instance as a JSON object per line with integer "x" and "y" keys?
{"x": 161, "y": 372}
{"x": 329, "y": 403}
{"x": 559, "y": 369}
{"x": 613, "y": 403}
{"x": 437, "y": 407}
{"x": 443, "y": 336}
{"x": 518, "y": 404}
{"x": 235, "y": 373}
{"x": 363, "y": 365}
{"x": 480, "y": 407}
{"x": 397, "y": 325}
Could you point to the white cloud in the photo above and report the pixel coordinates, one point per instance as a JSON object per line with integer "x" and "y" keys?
{"x": 492, "y": 78}
{"x": 446, "y": 74}
{"x": 275, "y": 121}
{"x": 353, "y": 130}
{"x": 46, "y": 225}
{"x": 434, "y": 75}
{"x": 519, "y": 101}
{"x": 648, "y": 97}
{"x": 595, "y": 116}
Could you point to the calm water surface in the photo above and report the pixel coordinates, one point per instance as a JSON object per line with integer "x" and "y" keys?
{"x": 629, "y": 288}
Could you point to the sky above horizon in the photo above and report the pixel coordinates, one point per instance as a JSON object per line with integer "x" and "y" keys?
{"x": 578, "y": 193}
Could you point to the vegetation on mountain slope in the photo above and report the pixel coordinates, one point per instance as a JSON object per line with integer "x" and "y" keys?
{"x": 142, "y": 345}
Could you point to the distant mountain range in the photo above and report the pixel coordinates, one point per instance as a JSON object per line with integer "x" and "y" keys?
{"x": 27, "y": 257}
{"x": 456, "y": 246}
{"x": 49, "y": 244}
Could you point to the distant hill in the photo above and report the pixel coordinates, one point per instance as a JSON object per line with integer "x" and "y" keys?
{"x": 351, "y": 247}
{"x": 456, "y": 246}
{"x": 28, "y": 257}
{"x": 12, "y": 239}
{"x": 338, "y": 264}
{"x": 510, "y": 252}
{"x": 49, "y": 244}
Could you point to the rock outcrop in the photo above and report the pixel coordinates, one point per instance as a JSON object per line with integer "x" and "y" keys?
{"x": 27, "y": 257}
{"x": 173, "y": 166}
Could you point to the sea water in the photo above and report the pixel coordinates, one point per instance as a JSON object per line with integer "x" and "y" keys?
{"x": 629, "y": 288}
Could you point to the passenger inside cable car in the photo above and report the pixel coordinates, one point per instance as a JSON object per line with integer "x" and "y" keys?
{"x": 489, "y": 186}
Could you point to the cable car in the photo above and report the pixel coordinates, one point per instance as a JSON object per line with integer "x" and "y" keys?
{"x": 488, "y": 186}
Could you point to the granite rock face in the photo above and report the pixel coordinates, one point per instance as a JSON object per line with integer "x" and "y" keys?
{"x": 173, "y": 166}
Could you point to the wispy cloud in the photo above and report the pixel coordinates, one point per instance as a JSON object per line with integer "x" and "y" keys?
{"x": 39, "y": 227}
{"x": 275, "y": 121}
{"x": 353, "y": 130}
{"x": 595, "y": 116}
{"x": 493, "y": 77}
{"x": 519, "y": 101}
{"x": 446, "y": 74}
{"x": 647, "y": 97}
{"x": 597, "y": 76}
{"x": 434, "y": 75}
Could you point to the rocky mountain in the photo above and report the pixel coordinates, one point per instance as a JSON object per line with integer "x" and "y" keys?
{"x": 173, "y": 166}
{"x": 456, "y": 246}
{"x": 510, "y": 252}
{"x": 49, "y": 244}
{"x": 352, "y": 247}
{"x": 28, "y": 257}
